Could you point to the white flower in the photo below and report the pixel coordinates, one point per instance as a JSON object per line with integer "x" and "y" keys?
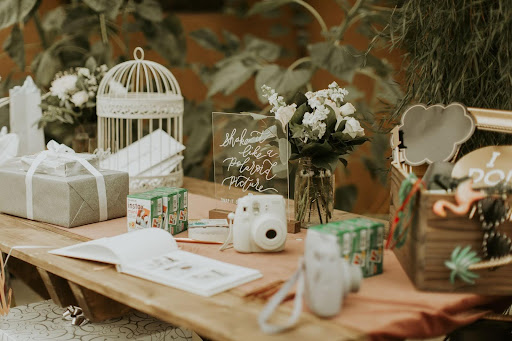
{"x": 63, "y": 85}
{"x": 284, "y": 114}
{"x": 353, "y": 128}
{"x": 334, "y": 107}
{"x": 79, "y": 98}
{"x": 274, "y": 99}
{"x": 314, "y": 102}
{"x": 84, "y": 72}
{"x": 347, "y": 109}
{"x": 315, "y": 121}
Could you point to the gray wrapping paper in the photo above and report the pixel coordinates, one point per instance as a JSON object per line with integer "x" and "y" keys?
{"x": 66, "y": 201}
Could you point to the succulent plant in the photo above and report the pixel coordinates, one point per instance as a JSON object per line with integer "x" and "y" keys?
{"x": 459, "y": 263}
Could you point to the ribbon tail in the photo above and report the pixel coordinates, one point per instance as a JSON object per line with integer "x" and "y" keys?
{"x": 28, "y": 184}
{"x": 100, "y": 185}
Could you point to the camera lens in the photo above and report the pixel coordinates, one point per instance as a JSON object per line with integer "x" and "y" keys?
{"x": 271, "y": 234}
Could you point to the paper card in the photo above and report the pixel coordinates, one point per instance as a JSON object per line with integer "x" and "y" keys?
{"x": 434, "y": 133}
{"x": 148, "y": 156}
{"x": 250, "y": 155}
{"x": 487, "y": 166}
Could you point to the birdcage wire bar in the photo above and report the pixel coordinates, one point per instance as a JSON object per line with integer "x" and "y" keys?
{"x": 140, "y": 101}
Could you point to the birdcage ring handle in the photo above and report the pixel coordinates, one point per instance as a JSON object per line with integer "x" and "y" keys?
{"x": 138, "y": 53}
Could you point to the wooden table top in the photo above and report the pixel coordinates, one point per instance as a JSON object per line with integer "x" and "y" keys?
{"x": 226, "y": 316}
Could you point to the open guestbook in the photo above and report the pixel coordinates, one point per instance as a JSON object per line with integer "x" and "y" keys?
{"x": 153, "y": 254}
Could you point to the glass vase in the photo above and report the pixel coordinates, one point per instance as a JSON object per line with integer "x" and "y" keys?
{"x": 314, "y": 194}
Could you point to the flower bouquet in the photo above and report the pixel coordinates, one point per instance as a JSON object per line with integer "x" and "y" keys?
{"x": 321, "y": 131}
{"x": 72, "y": 98}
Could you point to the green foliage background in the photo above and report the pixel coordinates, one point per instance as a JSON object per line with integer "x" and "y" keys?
{"x": 456, "y": 51}
{"x": 77, "y": 30}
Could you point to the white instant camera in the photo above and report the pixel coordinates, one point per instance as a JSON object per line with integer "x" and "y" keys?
{"x": 323, "y": 278}
{"x": 259, "y": 223}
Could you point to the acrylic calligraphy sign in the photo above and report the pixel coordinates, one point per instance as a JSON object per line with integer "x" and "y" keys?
{"x": 250, "y": 155}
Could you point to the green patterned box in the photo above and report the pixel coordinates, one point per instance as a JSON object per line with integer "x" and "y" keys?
{"x": 164, "y": 207}
{"x": 176, "y": 200}
{"x": 361, "y": 242}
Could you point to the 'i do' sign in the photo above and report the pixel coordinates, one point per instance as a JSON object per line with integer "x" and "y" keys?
{"x": 487, "y": 166}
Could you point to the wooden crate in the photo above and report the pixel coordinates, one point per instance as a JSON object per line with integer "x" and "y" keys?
{"x": 431, "y": 240}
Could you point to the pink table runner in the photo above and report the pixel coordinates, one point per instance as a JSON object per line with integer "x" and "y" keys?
{"x": 387, "y": 306}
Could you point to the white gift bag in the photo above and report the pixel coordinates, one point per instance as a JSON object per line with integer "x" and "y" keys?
{"x": 25, "y": 112}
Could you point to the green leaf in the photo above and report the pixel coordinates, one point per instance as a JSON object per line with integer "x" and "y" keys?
{"x": 299, "y": 114}
{"x": 45, "y": 66}
{"x": 206, "y": 38}
{"x": 150, "y": 10}
{"x": 262, "y": 48}
{"x": 256, "y": 117}
{"x": 284, "y": 81}
{"x": 267, "y": 5}
{"x": 12, "y": 11}
{"x": 14, "y": 46}
{"x": 326, "y": 161}
{"x": 297, "y": 130}
{"x": 299, "y": 98}
{"x": 317, "y": 149}
{"x": 231, "y": 40}
{"x": 341, "y": 61}
{"x": 230, "y": 77}
{"x": 54, "y": 19}
{"x": 330, "y": 121}
{"x": 166, "y": 38}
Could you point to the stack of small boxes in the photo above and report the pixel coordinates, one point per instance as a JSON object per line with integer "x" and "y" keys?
{"x": 165, "y": 208}
{"x": 361, "y": 242}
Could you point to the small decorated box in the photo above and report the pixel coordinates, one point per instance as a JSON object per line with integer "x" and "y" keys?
{"x": 361, "y": 242}
{"x": 44, "y": 321}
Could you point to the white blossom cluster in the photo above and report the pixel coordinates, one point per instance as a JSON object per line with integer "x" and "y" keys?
{"x": 320, "y": 102}
{"x": 76, "y": 88}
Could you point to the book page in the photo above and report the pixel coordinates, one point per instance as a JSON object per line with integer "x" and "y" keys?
{"x": 193, "y": 273}
{"x": 123, "y": 249}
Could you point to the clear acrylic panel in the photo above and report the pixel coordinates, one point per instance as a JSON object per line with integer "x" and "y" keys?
{"x": 250, "y": 155}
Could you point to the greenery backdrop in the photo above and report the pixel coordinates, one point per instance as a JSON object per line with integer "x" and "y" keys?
{"x": 76, "y": 30}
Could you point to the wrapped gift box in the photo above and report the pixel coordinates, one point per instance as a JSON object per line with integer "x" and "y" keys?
{"x": 44, "y": 321}
{"x": 65, "y": 201}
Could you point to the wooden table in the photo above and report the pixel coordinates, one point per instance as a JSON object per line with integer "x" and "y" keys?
{"x": 104, "y": 293}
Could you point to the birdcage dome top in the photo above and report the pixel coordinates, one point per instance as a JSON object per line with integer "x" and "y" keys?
{"x": 139, "y": 88}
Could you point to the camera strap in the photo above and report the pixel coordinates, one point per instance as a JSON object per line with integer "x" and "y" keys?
{"x": 278, "y": 298}
{"x": 228, "y": 243}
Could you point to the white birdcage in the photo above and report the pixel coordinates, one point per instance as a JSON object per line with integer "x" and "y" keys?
{"x": 140, "y": 120}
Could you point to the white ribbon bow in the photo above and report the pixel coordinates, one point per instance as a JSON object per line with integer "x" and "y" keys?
{"x": 57, "y": 150}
